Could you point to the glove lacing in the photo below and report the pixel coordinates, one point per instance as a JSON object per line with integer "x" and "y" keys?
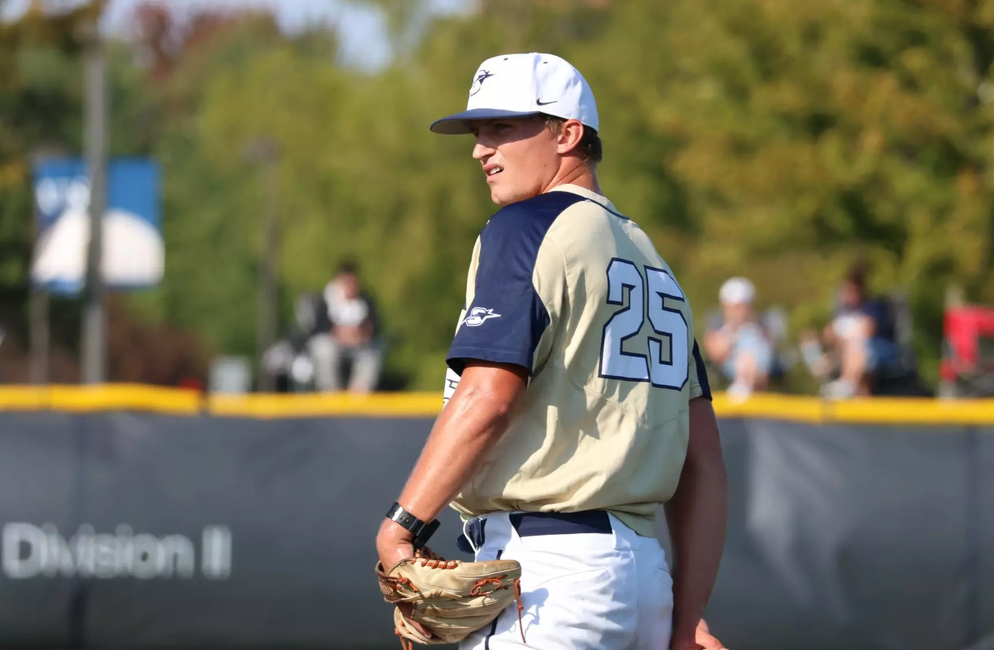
{"x": 407, "y": 644}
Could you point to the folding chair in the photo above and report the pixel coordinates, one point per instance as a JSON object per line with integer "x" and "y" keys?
{"x": 967, "y": 366}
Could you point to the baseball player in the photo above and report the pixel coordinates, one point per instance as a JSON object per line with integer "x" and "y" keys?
{"x": 576, "y": 398}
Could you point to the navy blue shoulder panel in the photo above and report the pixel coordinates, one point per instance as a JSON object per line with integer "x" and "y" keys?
{"x": 507, "y": 317}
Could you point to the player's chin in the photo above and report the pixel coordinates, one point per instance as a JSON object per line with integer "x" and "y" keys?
{"x": 499, "y": 197}
{"x": 503, "y": 196}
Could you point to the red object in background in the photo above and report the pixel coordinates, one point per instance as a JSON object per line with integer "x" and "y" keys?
{"x": 191, "y": 382}
{"x": 968, "y": 354}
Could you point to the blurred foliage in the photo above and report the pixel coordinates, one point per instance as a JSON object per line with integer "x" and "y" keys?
{"x": 40, "y": 110}
{"x": 777, "y": 140}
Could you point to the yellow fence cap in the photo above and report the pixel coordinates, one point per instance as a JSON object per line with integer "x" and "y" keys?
{"x": 104, "y": 397}
{"x": 176, "y": 401}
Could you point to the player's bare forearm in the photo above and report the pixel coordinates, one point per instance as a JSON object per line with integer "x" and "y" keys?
{"x": 696, "y": 516}
{"x": 468, "y": 428}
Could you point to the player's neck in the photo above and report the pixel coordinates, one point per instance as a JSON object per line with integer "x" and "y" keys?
{"x": 580, "y": 175}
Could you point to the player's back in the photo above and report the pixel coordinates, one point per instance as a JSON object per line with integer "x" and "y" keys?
{"x": 604, "y": 421}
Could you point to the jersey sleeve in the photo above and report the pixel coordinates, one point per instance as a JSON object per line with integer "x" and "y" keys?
{"x": 699, "y": 385}
{"x": 517, "y": 294}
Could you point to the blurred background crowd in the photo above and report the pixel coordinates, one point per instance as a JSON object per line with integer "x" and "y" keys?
{"x": 820, "y": 176}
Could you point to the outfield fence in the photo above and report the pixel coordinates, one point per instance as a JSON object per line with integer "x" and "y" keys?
{"x": 139, "y": 517}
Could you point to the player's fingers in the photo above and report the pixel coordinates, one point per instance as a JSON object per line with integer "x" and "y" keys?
{"x": 709, "y": 642}
{"x": 705, "y": 639}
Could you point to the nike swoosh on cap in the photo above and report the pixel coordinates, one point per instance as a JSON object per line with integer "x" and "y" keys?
{"x": 541, "y": 103}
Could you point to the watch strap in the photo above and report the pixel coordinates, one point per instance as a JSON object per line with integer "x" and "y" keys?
{"x": 422, "y": 531}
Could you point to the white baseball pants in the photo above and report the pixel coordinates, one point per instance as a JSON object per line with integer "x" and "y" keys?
{"x": 584, "y": 586}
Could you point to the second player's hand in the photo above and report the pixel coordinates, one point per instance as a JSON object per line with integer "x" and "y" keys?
{"x": 703, "y": 639}
{"x": 706, "y": 640}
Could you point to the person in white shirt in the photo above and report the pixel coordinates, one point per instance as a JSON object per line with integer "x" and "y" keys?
{"x": 353, "y": 336}
{"x": 740, "y": 346}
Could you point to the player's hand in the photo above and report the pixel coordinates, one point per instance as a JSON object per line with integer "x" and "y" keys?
{"x": 705, "y": 639}
{"x": 702, "y": 639}
{"x": 393, "y": 544}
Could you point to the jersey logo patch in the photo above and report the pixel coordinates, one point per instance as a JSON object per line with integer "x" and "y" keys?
{"x": 477, "y": 315}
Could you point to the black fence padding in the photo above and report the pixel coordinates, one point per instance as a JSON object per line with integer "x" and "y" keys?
{"x": 845, "y": 537}
{"x": 237, "y": 533}
{"x": 303, "y": 500}
{"x": 38, "y": 478}
{"x": 981, "y": 510}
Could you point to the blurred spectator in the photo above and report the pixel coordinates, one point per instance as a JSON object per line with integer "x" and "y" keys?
{"x": 739, "y": 346}
{"x": 859, "y": 341}
{"x": 353, "y": 336}
{"x": 289, "y": 360}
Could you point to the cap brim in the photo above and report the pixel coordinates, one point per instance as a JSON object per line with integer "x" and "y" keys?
{"x": 458, "y": 124}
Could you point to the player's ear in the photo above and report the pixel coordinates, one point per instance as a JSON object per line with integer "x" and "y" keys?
{"x": 570, "y": 134}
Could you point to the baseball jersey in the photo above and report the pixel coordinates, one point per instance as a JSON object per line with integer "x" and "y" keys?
{"x": 567, "y": 287}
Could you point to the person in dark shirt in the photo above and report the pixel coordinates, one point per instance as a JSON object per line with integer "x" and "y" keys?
{"x": 861, "y": 337}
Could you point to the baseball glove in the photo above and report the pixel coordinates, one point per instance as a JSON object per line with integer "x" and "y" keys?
{"x": 448, "y": 598}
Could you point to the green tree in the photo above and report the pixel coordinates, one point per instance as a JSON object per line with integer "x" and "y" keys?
{"x": 776, "y": 140}
{"x": 802, "y": 134}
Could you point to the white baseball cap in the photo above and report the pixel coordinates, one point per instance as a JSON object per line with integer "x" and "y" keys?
{"x": 737, "y": 291}
{"x": 519, "y": 85}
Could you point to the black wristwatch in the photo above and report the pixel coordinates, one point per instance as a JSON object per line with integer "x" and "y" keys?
{"x": 422, "y": 531}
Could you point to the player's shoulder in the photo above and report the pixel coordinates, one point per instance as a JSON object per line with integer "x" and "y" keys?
{"x": 534, "y": 214}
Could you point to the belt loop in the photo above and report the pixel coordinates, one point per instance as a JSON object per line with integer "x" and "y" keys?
{"x": 480, "y": 532}
{"x": 620, "y": 542}
{"x": 625, "y": 538}
{"x": 469, "y": 534}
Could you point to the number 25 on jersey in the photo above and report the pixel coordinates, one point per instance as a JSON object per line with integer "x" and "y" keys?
{"x": 667, "y": 323}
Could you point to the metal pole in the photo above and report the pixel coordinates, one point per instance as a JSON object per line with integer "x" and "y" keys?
{"x": 95, "y": 138}
{"x": 39, "y": 333}
{"x": 266, "y": 153}
{"x": 268, "y": 316}
{"x": 38, "y": 308}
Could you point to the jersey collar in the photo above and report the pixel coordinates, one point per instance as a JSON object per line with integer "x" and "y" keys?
{"x": 585, "y": 193}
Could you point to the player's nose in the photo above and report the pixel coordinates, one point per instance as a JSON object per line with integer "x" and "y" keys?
{"x": 482, "y": 151}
